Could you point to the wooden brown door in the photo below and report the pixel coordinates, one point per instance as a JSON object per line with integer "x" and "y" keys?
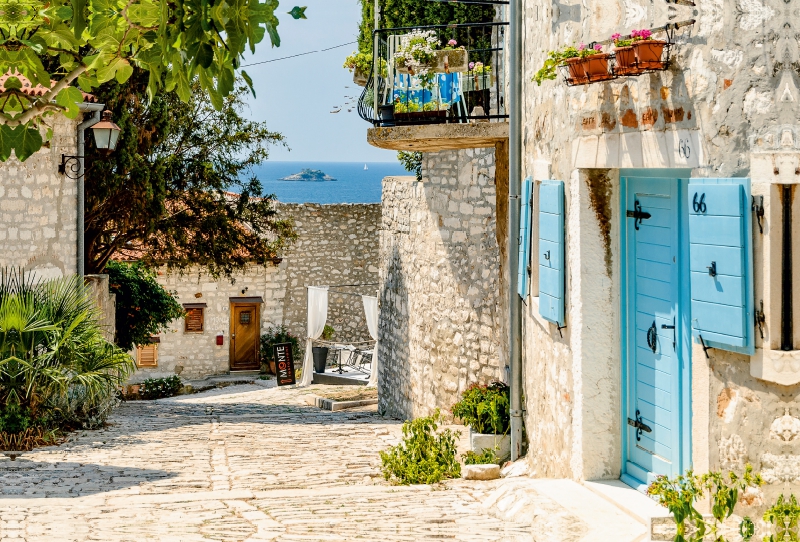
{"x": 245, "y": 326}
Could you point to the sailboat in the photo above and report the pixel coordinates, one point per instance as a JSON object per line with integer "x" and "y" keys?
{"x": 365, "y": 167}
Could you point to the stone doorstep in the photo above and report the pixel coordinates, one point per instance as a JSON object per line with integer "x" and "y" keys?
{"x": 333, "y": 406}
{"x": 630, "y": 501}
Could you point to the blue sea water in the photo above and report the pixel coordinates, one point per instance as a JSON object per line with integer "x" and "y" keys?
{"x": 353, "y": 184}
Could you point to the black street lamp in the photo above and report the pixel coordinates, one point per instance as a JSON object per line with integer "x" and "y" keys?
{"x": 106, "y": 136}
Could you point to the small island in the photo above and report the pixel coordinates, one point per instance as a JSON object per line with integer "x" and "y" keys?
{"x": 309, "y": 175}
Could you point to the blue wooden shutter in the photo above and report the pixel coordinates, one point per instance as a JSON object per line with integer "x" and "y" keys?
{"x": 551, "y": 251}
{"x": 721, "y": 263}
{"x": 523, "y": 277}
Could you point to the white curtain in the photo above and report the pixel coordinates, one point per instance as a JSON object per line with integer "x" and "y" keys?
{"x": 371, "y": 313}
{"x": 317, "y": 316}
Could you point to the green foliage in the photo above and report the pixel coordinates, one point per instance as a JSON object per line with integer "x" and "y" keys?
{"x": 278, "y": 335}
{"x": 784, "y": 516}
{"x": 91, "y": 42}
{"x": 424, "y": 456}
{"x": 157, "y": 388}
{"x": 55, "y": 364}
{"x": 554, "y": 60}
{"x": 412, "y": 162}
{"x": 144, "y": 308}
{"x": 362, "y": 62}
{"x": 327, "y": 333}
{"x": 180, "y": 190}
{"x": 395, "y": 13}
{"x": 487, "y": 457}
{"x": 486, "y": 409}
{"x": 679, "y": 495}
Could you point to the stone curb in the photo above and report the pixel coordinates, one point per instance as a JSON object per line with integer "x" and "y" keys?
{"x": 333, "y": 406}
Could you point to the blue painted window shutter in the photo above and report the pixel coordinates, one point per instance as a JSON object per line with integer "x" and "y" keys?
{"x": 551, "y": 251}
{"x": 721, "y": 263}
{"x": 523, "y": 277}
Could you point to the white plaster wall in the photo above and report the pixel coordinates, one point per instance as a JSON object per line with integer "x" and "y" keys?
{"x": 38, "y": 208}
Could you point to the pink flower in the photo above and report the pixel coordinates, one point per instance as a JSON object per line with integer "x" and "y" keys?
{"x": 634, "y": 33}
{"x": 471, "y": 65}
{"x": 616, "y": 36}
{"x": 582, "y": 46}
{"x": 452, "y": 43}
{"x": 598, "y": 47}
{"x": 645, "y": 34}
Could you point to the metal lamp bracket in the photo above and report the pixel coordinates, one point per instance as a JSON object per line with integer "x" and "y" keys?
{"x": 70, "y": 166}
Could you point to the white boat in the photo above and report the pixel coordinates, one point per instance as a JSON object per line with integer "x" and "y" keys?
{"x": 365, "y": 167}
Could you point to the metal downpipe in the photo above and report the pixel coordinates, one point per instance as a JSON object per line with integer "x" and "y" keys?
{"x": 514, "y": 188}
{"x": 88, "y": 123}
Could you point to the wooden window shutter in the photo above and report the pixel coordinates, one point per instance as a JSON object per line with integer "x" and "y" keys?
{"x": 523, "y": 276}
{"x": 194, "y": 320}
{"x": 551, "y": 251}
{"x": 721, "y": 263}
{"x": 147, "y": 355}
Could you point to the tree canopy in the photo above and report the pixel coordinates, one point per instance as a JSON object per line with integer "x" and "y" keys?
{"x": 57, "y": 43}
{"x": 177, "y": 192}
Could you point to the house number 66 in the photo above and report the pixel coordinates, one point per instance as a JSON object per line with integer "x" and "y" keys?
{"x": 684, "y": 150}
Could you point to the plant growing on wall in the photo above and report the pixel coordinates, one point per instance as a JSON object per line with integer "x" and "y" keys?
{"x": 554, "y": 59}
{"x": 784, "y": 517}
{"x": 424, "y": 456}
{"x": 65, "y": 42}
{"x": 485, "y": 409}
{"x": 144, "y": 307}
{"x": 412, "y": 162}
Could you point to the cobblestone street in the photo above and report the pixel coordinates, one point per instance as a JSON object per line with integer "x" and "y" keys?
{"x": 255, "y": 463}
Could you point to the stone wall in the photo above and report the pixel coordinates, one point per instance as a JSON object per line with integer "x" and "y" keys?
{"x": 336, "y": 244}
{"x": 441, "y": 318}
{"x": 106, "y": 304}
{"x": 38, "y": 208}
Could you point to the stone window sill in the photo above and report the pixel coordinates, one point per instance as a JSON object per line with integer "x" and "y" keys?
{"x": 776, "y": 366}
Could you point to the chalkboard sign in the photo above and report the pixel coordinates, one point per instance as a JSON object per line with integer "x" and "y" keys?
{"x": 284, "y": 364}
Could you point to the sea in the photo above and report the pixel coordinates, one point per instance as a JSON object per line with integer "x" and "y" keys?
{"x": 353, "y": 184}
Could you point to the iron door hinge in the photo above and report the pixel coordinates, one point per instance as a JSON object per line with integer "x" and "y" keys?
{"x": 639, "y": 425}
{"x": 637, "y": 214}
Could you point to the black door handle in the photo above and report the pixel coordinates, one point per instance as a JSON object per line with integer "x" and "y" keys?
{"x": 712, "y": 269}
{"x": 651, "y": 337}
{"x": 547, "y": 255}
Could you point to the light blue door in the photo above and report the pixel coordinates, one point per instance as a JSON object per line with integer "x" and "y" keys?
{"x": 653, "y": 328}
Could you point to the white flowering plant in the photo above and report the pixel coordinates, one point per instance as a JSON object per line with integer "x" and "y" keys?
{"x": 417, "y": 52}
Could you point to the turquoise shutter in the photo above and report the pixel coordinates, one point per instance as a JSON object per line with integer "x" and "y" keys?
{"x": 551, "y": 251}
{"x": 523, "y": 277}
{"x": 721, "y": 263}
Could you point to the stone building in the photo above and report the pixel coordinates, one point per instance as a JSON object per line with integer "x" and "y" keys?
{"x": 336, "y": 245}
{"x": 659, "y": 329}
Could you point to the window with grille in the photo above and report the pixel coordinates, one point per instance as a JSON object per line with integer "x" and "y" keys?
{"x": 194, "y": 320}
{"x": 147, "y": 355}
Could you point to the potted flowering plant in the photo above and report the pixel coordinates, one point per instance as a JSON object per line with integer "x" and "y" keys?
{"x": 625, "y": 56}
{"x": 420, "y": 54}
{"x": 479, "y": 77}
{"x": 360, "y": 65}
{"x": 414, "y": 110}
{"x": 648, "y": 50}
{"x": 486, "y": 410}
{"x": 590, "y": 66}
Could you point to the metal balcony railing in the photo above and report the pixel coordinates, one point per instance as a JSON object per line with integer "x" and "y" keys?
{"x": 465, "y": 82}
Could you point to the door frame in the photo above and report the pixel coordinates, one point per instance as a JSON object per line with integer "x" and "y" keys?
{"x": 684, "y": 458}
{"x": 232, "y": 330}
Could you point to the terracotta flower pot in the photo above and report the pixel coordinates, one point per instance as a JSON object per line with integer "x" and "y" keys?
{"x": 626, "y": 61}
{"x": 648, "y": 54}
{"x": 596, "y": 67}
{"x": 577, "y": 74}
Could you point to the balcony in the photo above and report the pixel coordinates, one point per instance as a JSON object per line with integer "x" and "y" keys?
{"x": 441, "y": 74}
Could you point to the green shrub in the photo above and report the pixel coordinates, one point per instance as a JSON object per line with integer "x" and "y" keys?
{"x": 485, "y": 409}
{"x": 158, "y": 388}
{"x": 278, "y": 335}
{"x": 144, "y": 308}
{"x": 56, "y": 368}
{"x": 487, "y": 457}
{"x": 424, "y": 456}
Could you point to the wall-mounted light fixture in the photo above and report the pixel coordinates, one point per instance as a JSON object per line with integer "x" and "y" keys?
{"x": 106, "y": 136}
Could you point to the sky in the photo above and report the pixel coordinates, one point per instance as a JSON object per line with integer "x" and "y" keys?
{"x": 296, "y": 96}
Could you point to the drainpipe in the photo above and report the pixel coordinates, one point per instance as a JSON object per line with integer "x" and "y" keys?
{"x": 514, "y": 186}
{"x": 88, "y": 123}
{"x": 376, "y": 62}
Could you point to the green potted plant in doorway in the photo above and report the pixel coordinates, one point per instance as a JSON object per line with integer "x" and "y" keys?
{"x": 320, "y": 353}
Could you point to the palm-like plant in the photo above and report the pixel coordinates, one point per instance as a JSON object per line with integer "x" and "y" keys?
{"x": 55, "y": 363}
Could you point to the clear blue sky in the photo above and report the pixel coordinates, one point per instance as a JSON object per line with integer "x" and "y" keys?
{"x": 295, "y": 96}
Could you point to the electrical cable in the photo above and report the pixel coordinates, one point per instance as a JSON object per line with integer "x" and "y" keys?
{"x": 300, "y": 54}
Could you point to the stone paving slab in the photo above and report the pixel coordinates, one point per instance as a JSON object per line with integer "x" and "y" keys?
{"x": 256, "y": 463}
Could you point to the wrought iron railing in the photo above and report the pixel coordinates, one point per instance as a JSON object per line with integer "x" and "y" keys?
{"x": 465, "y": 82}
